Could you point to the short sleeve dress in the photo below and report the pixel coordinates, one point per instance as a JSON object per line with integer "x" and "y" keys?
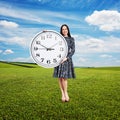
{"x": 66, "y": 69}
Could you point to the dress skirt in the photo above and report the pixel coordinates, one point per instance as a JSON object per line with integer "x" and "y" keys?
{"x": 65, "y": 70}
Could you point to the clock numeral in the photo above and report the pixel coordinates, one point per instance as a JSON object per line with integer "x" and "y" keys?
{"x": 59, "y": 56}
{"x": 37, "y": 55}
{"x": 35, "y": 48}
{"x": 42, "y": 37}
{"x": 55, "y": 38}
{"x": 54, "y": 60}
{"x": 60, "y": 42}
{"x": 48, "y": 62}
{"x": 49, "y": 36}
{"x": 61, "y": 49}
{"x": 38, "y": 42}
{"x": 42, "y": 59}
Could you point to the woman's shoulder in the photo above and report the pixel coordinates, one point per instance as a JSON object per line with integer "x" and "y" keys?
{"x": 72, "y": 39}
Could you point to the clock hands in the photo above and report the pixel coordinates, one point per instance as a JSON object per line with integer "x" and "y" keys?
{"x": 51, "y": 48}
{"x": 44, "y": 46}
{"x": 54, "y": 45}
{"x": 48, "y": 49}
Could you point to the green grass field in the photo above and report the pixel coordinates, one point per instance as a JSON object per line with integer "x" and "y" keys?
{"x": 29, "y": 92}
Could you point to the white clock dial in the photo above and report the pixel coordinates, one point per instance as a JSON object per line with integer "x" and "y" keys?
{"x": 48, "y": 48}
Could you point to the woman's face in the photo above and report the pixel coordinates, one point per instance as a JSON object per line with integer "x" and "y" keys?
{"x": 64, "y": 31}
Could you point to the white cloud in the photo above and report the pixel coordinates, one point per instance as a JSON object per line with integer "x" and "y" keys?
{"x": 88, "y": 44}
{"x": 106, "y": 20}
{"x": 105, "y": 56}
{"x": 21, "y": 41}
{"x": 41, "y": 16}
{"x": 81, "y": 59}
{"x": 117, "y": 61}
{"x": 90, "y": 51}
{"x": 8, "y": 24}
{"x": 8, "y": 51}
{"x": 21, "y": 59}
{"x": 19, "y": 36}
{"x": 44, "y": 1}
{"x": 0, "y": 51}
{"x": 18, "y": 40}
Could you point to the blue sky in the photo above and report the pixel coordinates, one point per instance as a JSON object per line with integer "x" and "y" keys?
{"x": 94, "y": 24}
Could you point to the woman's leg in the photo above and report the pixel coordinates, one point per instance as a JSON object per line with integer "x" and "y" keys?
{"x": 65, "y": 90}
{"x": 63, "y": 86}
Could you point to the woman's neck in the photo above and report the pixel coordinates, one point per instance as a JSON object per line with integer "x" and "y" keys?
{"x": 65, "y": 35}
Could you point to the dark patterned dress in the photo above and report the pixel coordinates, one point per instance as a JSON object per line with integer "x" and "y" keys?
{"x": 66, "y": 69}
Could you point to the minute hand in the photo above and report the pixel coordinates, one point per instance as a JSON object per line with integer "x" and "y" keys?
{"x": 53, "y": 45}
{"x": 43, "y": 46}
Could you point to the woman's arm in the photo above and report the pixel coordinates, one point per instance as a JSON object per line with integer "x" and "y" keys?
{"x": 72, "y": 49}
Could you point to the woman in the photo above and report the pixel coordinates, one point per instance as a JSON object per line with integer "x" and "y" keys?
{"x": 65, "y": 70}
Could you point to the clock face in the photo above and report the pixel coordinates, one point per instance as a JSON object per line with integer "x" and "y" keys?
{"x": 48, "y": 48}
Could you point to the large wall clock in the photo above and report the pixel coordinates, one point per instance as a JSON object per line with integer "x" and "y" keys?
{"x": 48, "y": 48}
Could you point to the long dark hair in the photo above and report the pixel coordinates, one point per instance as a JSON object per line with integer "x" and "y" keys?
{"x": 69, "y": 35}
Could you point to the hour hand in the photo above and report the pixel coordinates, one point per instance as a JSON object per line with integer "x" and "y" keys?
{"x": 49, "y": 49}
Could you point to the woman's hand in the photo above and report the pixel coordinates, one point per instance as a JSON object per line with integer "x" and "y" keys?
{"x": 44, "y": 31}
{"x": 65, "y": 59}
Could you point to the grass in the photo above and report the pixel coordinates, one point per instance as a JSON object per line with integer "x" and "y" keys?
{"x": 29, "y": 92}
